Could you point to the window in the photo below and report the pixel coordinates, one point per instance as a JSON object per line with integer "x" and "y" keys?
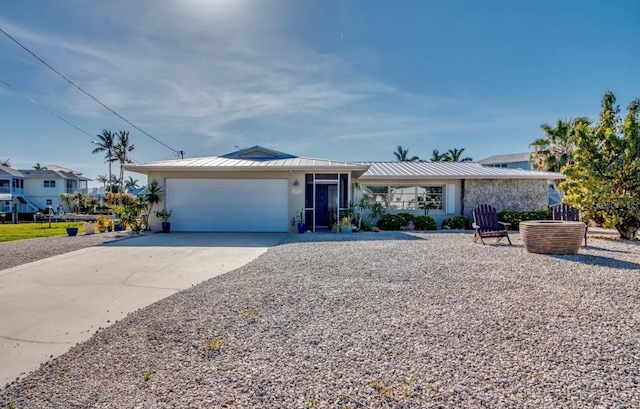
{"x": 406, "y": 197}
{"x": 17, "y": 183}
{"x": 49, "y": 183}
{"x": 49, "y": 202}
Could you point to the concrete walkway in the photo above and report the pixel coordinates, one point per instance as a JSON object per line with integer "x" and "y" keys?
{"x": 50, "y": 305}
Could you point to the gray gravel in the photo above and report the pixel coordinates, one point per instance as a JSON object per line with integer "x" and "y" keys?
{"x": 404, "y": 322}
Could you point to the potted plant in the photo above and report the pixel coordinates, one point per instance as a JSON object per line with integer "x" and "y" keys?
{"x": 71, "y": 230}
{"x": 302, "y": 226}
{"x": 103, "y": 222}
{"x": 164, "y": 215}
{"x": 345, "y": 225}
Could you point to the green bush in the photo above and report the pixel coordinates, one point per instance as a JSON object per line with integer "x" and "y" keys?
{"x": 515, "y": 217}
{"x": 408, "y": 217}
{"x": 456, "y": 222}
{"x": 391, "y": 222}
{"x": 425, "y": 223}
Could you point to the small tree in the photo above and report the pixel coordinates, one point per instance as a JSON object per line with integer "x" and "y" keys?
{"x": 152, "y": 195}
{"x": 604, "y": 179}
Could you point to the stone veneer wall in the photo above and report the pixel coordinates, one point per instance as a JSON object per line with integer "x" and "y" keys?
{"x": 505, "y": 194}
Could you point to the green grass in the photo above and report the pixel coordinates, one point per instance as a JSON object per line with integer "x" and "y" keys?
{"x": 23, "y": 231}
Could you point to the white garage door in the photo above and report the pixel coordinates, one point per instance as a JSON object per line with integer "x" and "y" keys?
{"x": 228, "y": 205}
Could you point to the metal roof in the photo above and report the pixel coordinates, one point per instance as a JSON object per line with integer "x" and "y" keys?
{"x": 222, "y": 163}
{"x": 264, "y": 159}
{"x": 449, "y": 170}
{"x": 506, "y": 158}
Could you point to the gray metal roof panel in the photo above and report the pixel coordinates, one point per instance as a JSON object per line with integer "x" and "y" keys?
{"x": 506, "y": 158}
{"x": 449, "y": 170}
{"x": 222, "y": 163}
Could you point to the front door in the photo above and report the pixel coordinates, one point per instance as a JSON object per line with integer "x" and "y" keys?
{"x": 322, "y": 206}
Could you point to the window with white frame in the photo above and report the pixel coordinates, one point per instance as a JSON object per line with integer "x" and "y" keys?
{"x": 406, "y": 197}
{"x": 49, "y": 183}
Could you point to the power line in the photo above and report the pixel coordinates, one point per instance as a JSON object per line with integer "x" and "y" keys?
{"x": 178, "y": 153}
{"x": 45, "y": 108}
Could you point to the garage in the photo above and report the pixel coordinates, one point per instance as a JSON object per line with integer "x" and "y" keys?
{"x": 228, "y": 205}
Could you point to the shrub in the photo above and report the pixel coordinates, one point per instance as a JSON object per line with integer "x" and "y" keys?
{"x": 515, "y": 217}
{"x": 408, "y": 217}
{"x": 425, "y": 223}
{"x": 391, "y": 222}
{"x": 456, "y": 222}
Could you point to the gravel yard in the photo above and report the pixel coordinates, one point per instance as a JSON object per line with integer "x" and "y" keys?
{"x": 372, "y": 321}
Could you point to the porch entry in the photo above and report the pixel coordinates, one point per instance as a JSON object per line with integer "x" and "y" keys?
{"x": 326, "y": 198}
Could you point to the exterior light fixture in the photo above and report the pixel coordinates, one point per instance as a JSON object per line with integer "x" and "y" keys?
{"x": 296, "y": 183}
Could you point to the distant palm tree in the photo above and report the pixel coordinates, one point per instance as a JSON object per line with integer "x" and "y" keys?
{"x": 5, "y": 163}
{"x": 106, "y": 144}
{"x": 436, "y": 156}
{"x": 130, "y": 184}
{"x": 553, "y": 151}
{"x": 455, "y": 155}
{"x": 37, "y": 166}
{"x": 402, "y": 155}
{"x": 121, "y": 150}
{"x": 104, "y": 180}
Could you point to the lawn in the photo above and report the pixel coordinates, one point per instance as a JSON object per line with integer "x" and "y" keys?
{"x": 23, "y": 231}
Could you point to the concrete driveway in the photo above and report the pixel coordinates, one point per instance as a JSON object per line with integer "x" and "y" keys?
{"x": 50, "y": 305}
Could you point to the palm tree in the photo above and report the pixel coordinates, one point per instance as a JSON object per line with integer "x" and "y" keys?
{"x": 436, "y": 156}
{"x": 455, "y": 155}
{"x": 152, "y": 195}
{"x": 130, "y": 183}
{"x": 37, "y": 166}
{"x": 553, "y": 151}
{"x": 121, "y": 149}
{"x": 5, "y": 163}
{"x": 402, "y": 155}
{"x": 103, "y": 179}
{"x": 106, "y": 144}
{"x": 67, "y": 198}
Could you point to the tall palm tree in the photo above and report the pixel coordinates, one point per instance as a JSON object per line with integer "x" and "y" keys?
{"x": 121, "y": 150}
{"x": 553, "y": 151}
{"x": 106, "y": 144}
{"x": 130, "y": 183}
{"x": 455, "y": 155}
{"x": 37, "y": 166}
{"x": 5, "y": 163}
{"x": 402, "y": 155}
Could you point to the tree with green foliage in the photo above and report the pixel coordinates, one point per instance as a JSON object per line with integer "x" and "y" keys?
{"x": 5, "y": 163}
{"x": 452, "y": 155}
{"x": 106, "y": 143}
{"x": 455, "y": 155}
{"x": 402, "y": 155}
{"x": 122, "y": 149}
{"x": 38, "y": 166}
{"x": 554, "y": 150}
{"x": 604, "y": 179}
{"x": 436, "y": 156}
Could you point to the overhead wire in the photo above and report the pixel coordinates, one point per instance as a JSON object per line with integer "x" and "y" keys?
{"x": 45, "y": 108}
{"x": 179, "y": 153}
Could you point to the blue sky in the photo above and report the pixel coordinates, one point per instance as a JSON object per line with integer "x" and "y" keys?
{"x": 343, "y": 80}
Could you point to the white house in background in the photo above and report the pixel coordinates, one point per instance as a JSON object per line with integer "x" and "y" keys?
{"x": 509, "y": 160}
{"x": 34, "y": 190}
{"x": 259, "y": 189}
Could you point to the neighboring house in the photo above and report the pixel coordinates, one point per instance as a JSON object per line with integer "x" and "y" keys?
{"x": 510, "y": 161}
{"x": 35, "y": 190}
{"x": 259, "y": 189}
